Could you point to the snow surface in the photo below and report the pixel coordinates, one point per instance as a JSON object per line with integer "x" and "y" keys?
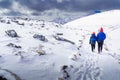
{"x": 26, "y": 64}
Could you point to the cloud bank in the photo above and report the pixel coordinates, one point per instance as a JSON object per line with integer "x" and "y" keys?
{"x": 37, "y": 6}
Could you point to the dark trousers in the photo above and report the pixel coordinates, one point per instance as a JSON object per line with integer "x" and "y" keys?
{"x": 100, "y": 46}
{"x": 92, "y": 47}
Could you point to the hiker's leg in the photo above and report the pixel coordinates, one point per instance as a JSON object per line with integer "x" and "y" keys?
{"x": 98, "y": 47}
{"x": 101, "y": 46}
{"x": 92, "y": 47}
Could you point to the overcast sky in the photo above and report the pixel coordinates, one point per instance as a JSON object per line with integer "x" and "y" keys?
{"x": 15, "y": 7}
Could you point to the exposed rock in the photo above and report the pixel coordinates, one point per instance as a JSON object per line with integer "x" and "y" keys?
{"x": 11, "y": 33}
{"x": 2, "y": 78}
{"x": 63, "y": 39}
{"x": 64, "y": 67}
{"x": 40, "y": 37}
{"x": 19, "y": 53}
{"x": 17, "y": 22}
{"x": 13, "y": 45}
{"x": 12, "y": 74}
{"x": 41, "y": 52}
{"x": 66, "y": 75}
{"x": 2, "y": 21}
{"x": 59, "y": 33}
{"x": 60, "y": 79}
{"x": 8, "y": 22}
{"x": 21, "y": 24}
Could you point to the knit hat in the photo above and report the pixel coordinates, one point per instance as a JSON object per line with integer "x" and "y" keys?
{"x": 101, "y": 29}
{"x": 93, "y": 33}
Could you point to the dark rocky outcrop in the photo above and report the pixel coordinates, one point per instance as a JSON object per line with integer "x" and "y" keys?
{"x": 2, "y": 78}
{"x": 11, "y": 33}
{"x": 63, "y": 39}
{"x": 40, "y": 37}
{"x": 13, "y": 45}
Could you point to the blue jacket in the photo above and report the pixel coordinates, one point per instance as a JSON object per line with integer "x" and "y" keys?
{"x": 93, "y": 39}
{"x": 101, "y": 36}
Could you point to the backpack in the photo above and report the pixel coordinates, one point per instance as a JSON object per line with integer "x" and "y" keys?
{"x": 93, "y": 39}
{"x": 101, "y": 36}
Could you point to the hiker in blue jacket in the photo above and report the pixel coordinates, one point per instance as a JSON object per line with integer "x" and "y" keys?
{"x": 101, "y": 36}
{"x": 92, "y": 41}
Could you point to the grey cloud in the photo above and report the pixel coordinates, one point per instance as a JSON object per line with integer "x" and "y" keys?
{"x": 11, "y": 13}
{"x": 66, "y": 5}
{"x": 38, "y": 5}
{"x": 5, "y": 4}
{"x": 71, "y": 5}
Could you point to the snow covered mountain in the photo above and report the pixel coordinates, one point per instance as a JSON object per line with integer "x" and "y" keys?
{"x": 55, "y": 15}
{"x": 59, "y": 16}
{"x": 33, "y": 49}
{"x": 110, "y": 22}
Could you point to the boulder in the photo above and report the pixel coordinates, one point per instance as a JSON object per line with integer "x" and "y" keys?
{"x": 40, "y": 37}
{"x": 2, "y": 78}
{"x": 11, "y": 33}
{"x": 13, "y": 45}
{"x": 63, "y": 39}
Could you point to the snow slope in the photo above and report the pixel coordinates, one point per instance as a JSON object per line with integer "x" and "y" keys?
{"x": 69, "y": 57}
{"x": 109, "y": 60}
